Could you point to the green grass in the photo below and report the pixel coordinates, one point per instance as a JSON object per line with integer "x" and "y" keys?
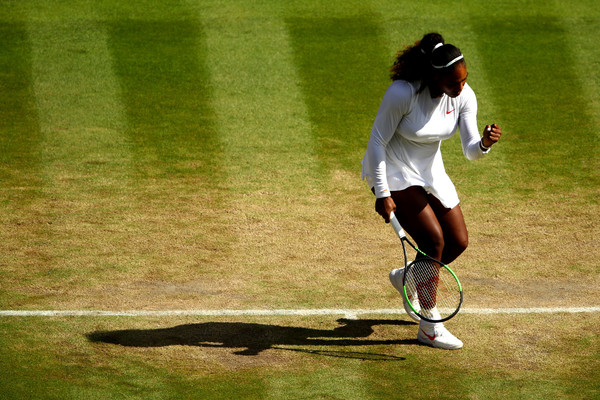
{"x": 300, "y": 358}
{"x": 338, "y": 97}
{"x": 206, "y": 155}
{"x": 558, "y": 148}
{"x": 161, "y": 66}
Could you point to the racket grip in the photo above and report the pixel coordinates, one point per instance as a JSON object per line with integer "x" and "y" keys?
{"x": 396, "y": 225}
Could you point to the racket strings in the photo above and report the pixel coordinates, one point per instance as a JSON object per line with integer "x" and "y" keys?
{"x": 434, "y": 285}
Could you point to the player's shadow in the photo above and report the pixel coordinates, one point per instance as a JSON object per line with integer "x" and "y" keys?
{"x": 251, "y": 339}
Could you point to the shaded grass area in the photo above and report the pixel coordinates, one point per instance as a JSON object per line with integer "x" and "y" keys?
{"x": 523, "y": 356}
{"x": 552, "y": 143}
{"x": 20, "y": 170}
{"x": 19, "y": 143}
{"x": 166, "y": 92}
{"x": 342, "y": 68}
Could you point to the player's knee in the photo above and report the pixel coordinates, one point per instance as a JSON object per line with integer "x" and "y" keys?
{"x": 461, "y": 244}
{"x": 433, "y": 246}
{"x": 437, "y": 244}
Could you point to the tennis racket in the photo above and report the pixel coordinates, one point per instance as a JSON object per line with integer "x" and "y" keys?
{"x": 430, "y": 287}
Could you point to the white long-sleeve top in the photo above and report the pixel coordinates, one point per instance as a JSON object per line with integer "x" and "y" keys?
{"x": 404, "y": 146}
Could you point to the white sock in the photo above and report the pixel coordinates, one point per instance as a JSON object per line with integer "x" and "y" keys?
{"x": 431, "y": 313}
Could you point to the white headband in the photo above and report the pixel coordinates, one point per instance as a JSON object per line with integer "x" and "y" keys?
{"x": 449, "y": 64}
{"x": 434, "y": 47}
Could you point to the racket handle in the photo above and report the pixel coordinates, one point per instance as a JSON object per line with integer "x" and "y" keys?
{"x": 396, "y": 225}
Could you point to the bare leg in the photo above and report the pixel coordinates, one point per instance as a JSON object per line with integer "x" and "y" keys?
{"x": 456, "y": 236}
{"x": 419, "y": 220}
{"x": 440, "y": 232}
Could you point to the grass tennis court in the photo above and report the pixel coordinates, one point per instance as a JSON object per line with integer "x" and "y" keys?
{"x": 181, "y": 155}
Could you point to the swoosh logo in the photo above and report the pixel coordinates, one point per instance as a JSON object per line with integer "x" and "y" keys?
{"x": 429, "y": 336}
{"x": 448, "y": 112}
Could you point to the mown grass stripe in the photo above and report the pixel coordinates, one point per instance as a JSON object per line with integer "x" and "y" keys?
{"x": 166, "y": 92}
{"x": 84, "y": 157}
{"x": 19, "y": 128}
{"x": 540, "y": 97}
{"x": 262, "y": 117}
{"x": 580, "y": 24}
{"x": 80, "y": 115}
{"x": 21, "y": 175}
{"x": 268, "y": 152}
{"x": 159, "y": 58}
{"x": 343, "y": 71}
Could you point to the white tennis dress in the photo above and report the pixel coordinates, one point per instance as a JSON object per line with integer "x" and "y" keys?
{"x": 404, "y": 147}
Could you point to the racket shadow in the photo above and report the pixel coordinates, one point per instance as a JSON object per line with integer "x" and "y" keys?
{"x": 250, "y": 339}
{"x": 356, "y": 355}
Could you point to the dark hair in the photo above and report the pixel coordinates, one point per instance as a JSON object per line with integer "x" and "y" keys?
{"x": 427, "y": 56}
{"x": 446, "y": 56}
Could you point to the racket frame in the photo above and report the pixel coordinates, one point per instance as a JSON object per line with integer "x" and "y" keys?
{"x": 400, "y": 232}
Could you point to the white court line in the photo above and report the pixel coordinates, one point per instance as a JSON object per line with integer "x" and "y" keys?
{"x": 348, "y": 313}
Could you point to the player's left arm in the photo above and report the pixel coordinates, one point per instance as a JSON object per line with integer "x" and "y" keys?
{"x": 474, "y": 145}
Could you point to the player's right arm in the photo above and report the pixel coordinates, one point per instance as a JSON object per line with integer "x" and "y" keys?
{"x": 394, "y": 106}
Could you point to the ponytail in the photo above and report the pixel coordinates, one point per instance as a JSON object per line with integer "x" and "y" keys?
{"x": 414, "y": 62}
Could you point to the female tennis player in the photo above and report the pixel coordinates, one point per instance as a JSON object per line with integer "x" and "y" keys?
{"x": 427, "y": 101}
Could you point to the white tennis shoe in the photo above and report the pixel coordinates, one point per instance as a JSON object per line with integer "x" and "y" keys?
{"x": 436, "y": 335}
{"x": 396, "y": 277}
